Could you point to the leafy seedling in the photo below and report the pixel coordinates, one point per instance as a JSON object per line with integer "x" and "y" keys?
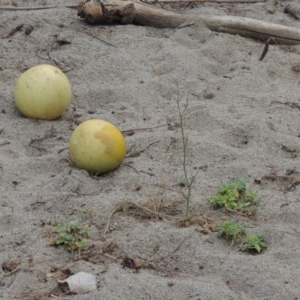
{"x": 254, "y": 242}
{"x": 231, "y": 230}
{"x": 87, "y": 214}
{"x": 234, "y": 195}
{"x": 71, "y": 236}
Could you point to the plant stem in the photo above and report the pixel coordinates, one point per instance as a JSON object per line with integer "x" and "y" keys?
{"x": 184, "y": 143}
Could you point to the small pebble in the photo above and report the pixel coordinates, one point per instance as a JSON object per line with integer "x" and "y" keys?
{"x": 28, "y": 29}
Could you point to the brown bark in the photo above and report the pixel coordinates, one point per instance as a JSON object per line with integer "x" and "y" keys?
{"x": 127, "y": 12}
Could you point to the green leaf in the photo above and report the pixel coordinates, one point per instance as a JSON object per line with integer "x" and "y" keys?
{"x": 250, "y": 195}
{"x": 242, "y": 204}
{"x": 231, "y": 205}
{"x": 81, "y": 243}
{"x": 66, "y": 236}
{"x": 241, "y": 182}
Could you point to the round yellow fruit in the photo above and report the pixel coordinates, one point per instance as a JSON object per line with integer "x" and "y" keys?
{"x": 43, "y": 92}
{"x": 97, "y": 146}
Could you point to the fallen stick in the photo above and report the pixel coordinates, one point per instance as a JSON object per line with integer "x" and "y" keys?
{"x": 293, "y": 9}
{"x": 10, "y": 32}
{"x": 252, "y": 28}
{"x": 139, "y": 13}
{"x": 265, "y": 49}
{"x": 151, "y": 1}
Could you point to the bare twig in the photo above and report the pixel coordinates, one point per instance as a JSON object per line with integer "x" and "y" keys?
{"x": 12, "y": 281}
{"x": 11, "y": 272}
{"x": 10, "y": 32}
{"x": 48, "y": 134}
{"x": 161, "y": 215}
{"x": 109, "y": 220}
{"x": 178, "y": 246}
{"x": 105, "y": 42}
{"x": 5, "y": 143}
{"x": 128, "y": 165}
{"x": 290, "y": 104}
{"x": 50, "y": 56}
{"x": 61, "y": 150}
{"x": 143, "y": 129}
{"x": 265, "y": 49}
{"x": 276, "y": 177}
{"x": 12, "y": 8}
{"x": 292, "y": 186}
{"x": 59, "y": 40}
{"x": 131, "y": 205}
{"x": 101, "y": 40}
{"x": 137, "y": 153}
{"x": 109, "y": 256}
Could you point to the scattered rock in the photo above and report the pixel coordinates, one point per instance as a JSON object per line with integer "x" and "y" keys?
{"x": 28, "y": 29}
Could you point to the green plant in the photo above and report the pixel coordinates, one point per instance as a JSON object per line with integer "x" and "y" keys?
{"x": 234, "y": 195}
{"x": 181, "y": 180}
{"x": 87, "y": 214}
{"x": 186, "y": 180}
{"x": 253, "y": 241}
{"x": 70, "y": 235}
{"x": 288, "y": 148}
{"x": 254, "y": 207}
{"x": 122, "y": 206}
{"x": 231, "y": 230}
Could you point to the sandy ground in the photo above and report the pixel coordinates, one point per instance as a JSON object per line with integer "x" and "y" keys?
{"x": 241, "y": 111}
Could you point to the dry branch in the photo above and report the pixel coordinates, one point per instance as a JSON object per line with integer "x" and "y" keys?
{"x": 11, "y": 32}
{"x": 150, "y": 1}
{"x": 128, "y": 12}
{"x": 255, "y": 29}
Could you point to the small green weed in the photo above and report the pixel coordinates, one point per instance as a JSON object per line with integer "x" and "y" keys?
{"x": 234, "y": 195}
{"x": 87, "y": 214}
{"x": 182, "y": 181}
{"x": 122, "y": 207}
{"x": 71, "y": 236}
{"x": 253, "y": 241}
{"x": 231, "y": 230}
{"x": 288, "y": 148}
{"x": 236, "y": 232}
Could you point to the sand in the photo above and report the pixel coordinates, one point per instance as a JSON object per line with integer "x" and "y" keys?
{"x": 240, "y": 113}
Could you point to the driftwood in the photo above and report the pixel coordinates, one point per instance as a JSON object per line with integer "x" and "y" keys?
{"x": 14, "y": 8}
{"x": 293, "y": 9}
{"x": 140, "y": 13}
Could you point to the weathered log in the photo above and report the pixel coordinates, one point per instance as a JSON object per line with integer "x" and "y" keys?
{"x": 293, "y": 9}
{"x": 254, "y": 29}
{"x": 128, "y": 12}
